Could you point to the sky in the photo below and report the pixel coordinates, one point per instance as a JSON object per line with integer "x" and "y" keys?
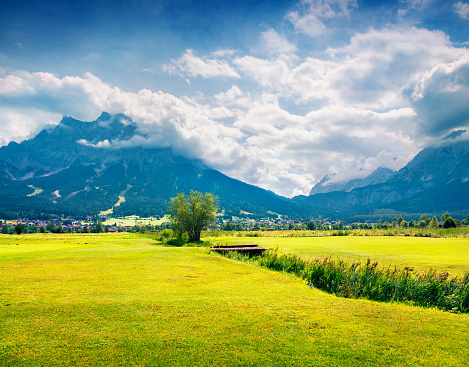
{"x": 273, "y": 93}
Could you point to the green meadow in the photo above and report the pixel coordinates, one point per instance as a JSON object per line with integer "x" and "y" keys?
{"x": 121, "y": 299}
{"x": 440, "y": 254}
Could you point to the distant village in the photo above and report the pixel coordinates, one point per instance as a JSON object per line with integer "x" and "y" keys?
{"x": 143, "y": 225}
{"x": 156, "y": 224}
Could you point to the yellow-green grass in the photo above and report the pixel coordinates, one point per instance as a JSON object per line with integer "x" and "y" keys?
{"x": 122, "y": 300}
{"x": 37, "y": 190}
{"x": 441, "y": 254}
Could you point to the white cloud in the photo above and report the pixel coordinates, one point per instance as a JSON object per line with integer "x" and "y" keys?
{"x": 312, "y": 14}
{"x": 462, "y": 9}
{"x": 223, "y": 53}
{"x": 152, "y": 70}
{"x": 308, "y": 24}
{"x": 418, "y": 5}
{"x": 275, "y": 43}
{"x": 24, "y": 123}
{"x": 269, "y": 73}
{"x": 193, "y": 65}
{"x": 388, "y": 160}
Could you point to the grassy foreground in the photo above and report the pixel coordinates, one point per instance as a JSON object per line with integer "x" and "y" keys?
{"x": 122, "y": 300}
{"x": 441, "y": 254}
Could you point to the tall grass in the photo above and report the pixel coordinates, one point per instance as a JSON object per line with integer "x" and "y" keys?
{"x": 356, "y": 280}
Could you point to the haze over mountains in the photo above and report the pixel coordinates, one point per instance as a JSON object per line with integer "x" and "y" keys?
{"x": 72, "y": 169}
{"x": 435, "y": 180}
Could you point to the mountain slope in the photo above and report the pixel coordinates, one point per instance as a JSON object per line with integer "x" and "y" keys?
{"x": 435, "y": 180}
{"x": 80, "y": 174}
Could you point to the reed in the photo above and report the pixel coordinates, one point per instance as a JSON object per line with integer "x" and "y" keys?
{"x": 369, "y": 281}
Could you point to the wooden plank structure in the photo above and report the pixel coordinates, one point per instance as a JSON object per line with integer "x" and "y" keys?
{"x": 245, "y": 249}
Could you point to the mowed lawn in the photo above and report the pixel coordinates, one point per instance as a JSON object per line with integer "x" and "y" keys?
{"x": 441, "y": 254}
{"x": 120, "y": 300}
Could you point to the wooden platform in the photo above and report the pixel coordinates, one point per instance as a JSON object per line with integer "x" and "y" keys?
{"x": 246, "y": 249}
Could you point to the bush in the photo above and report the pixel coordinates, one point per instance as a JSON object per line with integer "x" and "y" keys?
{"x": 178, "y": 241}
{"x": 165, "y": 235}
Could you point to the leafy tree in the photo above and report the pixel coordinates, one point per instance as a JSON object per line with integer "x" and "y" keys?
{"x": 434, "y": 223}
{"x": 378, "y": 224}
{"x": 449, "y": 223}
{"x": 191, "y": 214}
{"x": 411, "y": 224}
{"x": 58, "y": 229}
{"x": 400, "y": 220}
{"x": 311, "y": 225}
{"x": 19, "y": 228}
{"x": 422, "y": 223}
{"x": 394, "y": 221}
{"x": 99, "y": 228}
{"x": 50, "y": 227}
{"x": 423, "y": 217}
{"x": 445, "y": 216}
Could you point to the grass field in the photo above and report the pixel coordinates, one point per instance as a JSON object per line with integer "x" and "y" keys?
{"x": 441, "y": 254}
{"x": 115, "y": 300}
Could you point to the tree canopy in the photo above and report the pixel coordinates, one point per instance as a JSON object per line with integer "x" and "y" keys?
{"x": 191, "y": 214}
{"x": 449, "y": 223}
{"x": 434, "y": 223}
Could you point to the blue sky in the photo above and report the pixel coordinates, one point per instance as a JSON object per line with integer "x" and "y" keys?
{"x": 275, "y": 93}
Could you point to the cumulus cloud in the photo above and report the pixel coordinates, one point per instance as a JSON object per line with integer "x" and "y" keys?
{"x": 462, "y": 9}
{"x": 374, "y": 71}
{"x": 192, "y": 65}
{"x": 440, "y": 98}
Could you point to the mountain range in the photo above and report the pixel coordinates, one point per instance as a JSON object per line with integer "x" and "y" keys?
{"x": 434, "y": 181}
{"x": 72, "y": 169}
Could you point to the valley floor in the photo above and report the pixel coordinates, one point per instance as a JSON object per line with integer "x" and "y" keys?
{"x": 119, "y": 299}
